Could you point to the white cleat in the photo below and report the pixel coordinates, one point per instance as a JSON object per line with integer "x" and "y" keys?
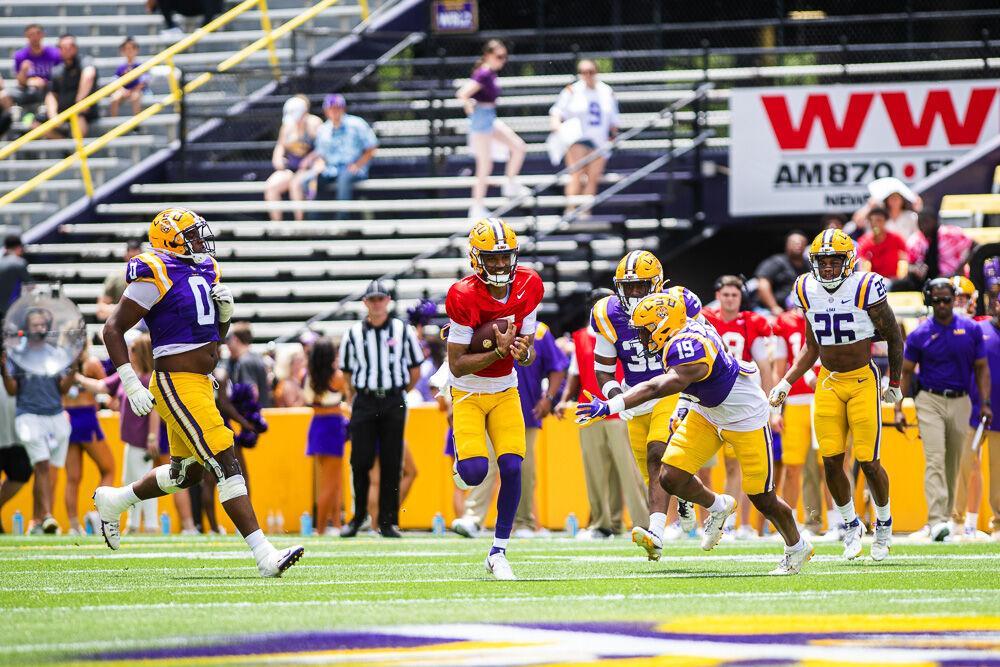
{"x": 279, "y": 560}
{"x": 791, "y": 563}
{"x": 498, "y": 566}
{"x": 465, "y": 526}
{"x": 883, "y": 540}
{"x": 685, "y": 511}
{"x": 110, "y": 518}
{"x": 649, "y": 542}
{"x": 852, "y": 539}
{"x": 714, "y": 522}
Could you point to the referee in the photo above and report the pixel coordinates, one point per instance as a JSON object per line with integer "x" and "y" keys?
{"x": 380, "y": 358}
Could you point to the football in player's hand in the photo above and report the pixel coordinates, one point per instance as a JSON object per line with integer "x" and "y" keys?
{"x": 484, "y": 339}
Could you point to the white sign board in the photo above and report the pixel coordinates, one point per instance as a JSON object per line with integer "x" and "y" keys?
{"x": 814, "y": 149}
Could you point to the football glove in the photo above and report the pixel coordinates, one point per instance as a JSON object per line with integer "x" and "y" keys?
{"x": 223, "y": 298}
{"x": 892, "y": 395}
{"x": 139, "y": 398}
{"x": 595, "y": 409}
{"x": 779, "y": 393}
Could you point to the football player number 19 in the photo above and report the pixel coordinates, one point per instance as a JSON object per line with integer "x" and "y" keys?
{"x": 203, "y": 303}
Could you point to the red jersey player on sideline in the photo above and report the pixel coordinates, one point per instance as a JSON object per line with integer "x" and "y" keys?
{"x": 748, "y": 336}
{"x": 484, "y": 385}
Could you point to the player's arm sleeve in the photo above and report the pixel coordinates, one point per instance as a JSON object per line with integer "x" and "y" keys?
{"x": 911, "y": 349}
{"x": 143, "y": 293}
{"x": 871, "y": 291}
{"x": 148, "y": 268}
{"x": 799, "y": 292}
{"x": 763, "y": 343}
{"x": 690, "y": 349}
{"x": 459, "y": 333}
{"x": 530, "y": 324}
{"x": 604, "y": 348}
{"x": 460, "y": 316}
{"x": 601, "y": 323}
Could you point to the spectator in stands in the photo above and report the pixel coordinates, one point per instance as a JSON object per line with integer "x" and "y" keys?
{"x": 245, "y": 366}
{"x": 537, "y": 402}
{"x": 13, "y": 272}
{"x": 776, "y": 274}
{"x": 33, "y": 69}
{"x": 937, "y": 250}
{"x": 296, "y": 139}
{"x": 345, "y": 144}
{"x": 950, "y": 351}
{"x": 207, "y": 9}
{"x": 609, "y": 468}
{"x": 114, "y": 284}
{"x": 130, "y": 92}
{"x": 880, "y": 250}
{"x": 479, "y": 100}
{"x": 590, "y": 105}
{"x": 73, "y": 79}
{"x": 290, "y": 372}
{"x": 6, "y": 102}
{"x": 327, "y": 432}
{"x": 901, "y": 203}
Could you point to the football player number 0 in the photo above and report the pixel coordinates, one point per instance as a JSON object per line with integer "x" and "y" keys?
{"x": 202, "y": 299}
{"x": 831, "y": 325}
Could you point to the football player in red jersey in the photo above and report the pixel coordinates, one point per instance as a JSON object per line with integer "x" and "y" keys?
{"x": 484, "y": 385}
{"x": 748, "y": 336}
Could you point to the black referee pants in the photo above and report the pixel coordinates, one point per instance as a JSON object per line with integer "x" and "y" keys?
{"x": 377, "y": 426}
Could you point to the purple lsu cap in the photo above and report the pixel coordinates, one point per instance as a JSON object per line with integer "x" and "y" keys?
{"x": 334, "y": 100}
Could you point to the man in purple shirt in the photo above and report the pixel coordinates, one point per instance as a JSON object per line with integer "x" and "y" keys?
{"x": 949, "y": 349}
{"x": 33, "y": 68}
{"x": 550, "y": 363}
{"x": 970, "y": 495}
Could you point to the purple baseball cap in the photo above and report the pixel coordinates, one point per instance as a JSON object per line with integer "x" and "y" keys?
{"x": 991, "y": 271}
{"x": 334, "y": 100}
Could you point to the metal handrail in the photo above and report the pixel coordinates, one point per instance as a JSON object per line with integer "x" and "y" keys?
{"x": 176, "y": 92}
{"x": 696, "y": 95}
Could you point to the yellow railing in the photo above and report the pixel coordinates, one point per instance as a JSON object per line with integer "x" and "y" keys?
{"x": 83, "y": 151}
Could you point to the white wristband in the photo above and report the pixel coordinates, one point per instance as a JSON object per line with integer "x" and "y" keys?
{"x": 617, "y": 404}
{"x": 605, "y": 368}
{"x": 127, "y": 374}
{"x": 608, "y": 386}
{"x": 783, "y": 386}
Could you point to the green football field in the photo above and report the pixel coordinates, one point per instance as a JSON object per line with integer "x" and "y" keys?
{"x": 427, "y": 600}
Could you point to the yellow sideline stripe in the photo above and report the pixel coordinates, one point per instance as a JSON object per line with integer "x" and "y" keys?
{"x": 821, "y": 623}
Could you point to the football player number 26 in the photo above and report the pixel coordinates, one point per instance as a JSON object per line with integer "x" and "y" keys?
{"x": 203, "y": 303}
{"x": 831, "y": 326}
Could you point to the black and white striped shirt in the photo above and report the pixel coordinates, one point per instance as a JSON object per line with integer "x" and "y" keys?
{"x": 380, "y": 358}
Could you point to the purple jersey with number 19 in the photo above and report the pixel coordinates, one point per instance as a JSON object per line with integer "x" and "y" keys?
{"x": 183, "y": 316}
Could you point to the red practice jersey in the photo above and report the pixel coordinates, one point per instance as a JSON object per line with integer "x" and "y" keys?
{"x": 747, "y": 336}
{"x": 790, "y": 328}
{"x": 470, "y": 304}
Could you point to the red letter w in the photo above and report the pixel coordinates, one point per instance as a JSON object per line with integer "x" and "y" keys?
{"x": 817, "y": 108}
{"x": 939, "y": 103}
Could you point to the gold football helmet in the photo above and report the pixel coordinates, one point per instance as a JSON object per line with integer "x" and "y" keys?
{"x": 966, "y": 295}
{"x": 181, "y": 232}
{"x": 832, "y": 243}
{"x": 493, "y": 251}
{"x": 659, "y": 317}
{"x": 638, "y": 275}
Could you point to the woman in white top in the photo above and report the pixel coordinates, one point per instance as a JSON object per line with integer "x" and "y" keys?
{"x": 295, "y": 141}
{"x": 590, "y": 103}
{"x": 901, "y": 203}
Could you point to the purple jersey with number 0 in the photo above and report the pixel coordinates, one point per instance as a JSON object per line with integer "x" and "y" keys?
{"x": 184, "y": 314}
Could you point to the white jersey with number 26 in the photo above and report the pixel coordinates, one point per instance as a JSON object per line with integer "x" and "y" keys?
{"x": 840, "y": 317}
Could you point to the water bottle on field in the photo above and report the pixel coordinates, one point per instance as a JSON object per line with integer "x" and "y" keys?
{"x": 165, "y": 523}
{"x": 437, "y": 526}
{"x": 306, "y": 524}
{"x": 18, "y": 521}
{"x": 572, "y": 525}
